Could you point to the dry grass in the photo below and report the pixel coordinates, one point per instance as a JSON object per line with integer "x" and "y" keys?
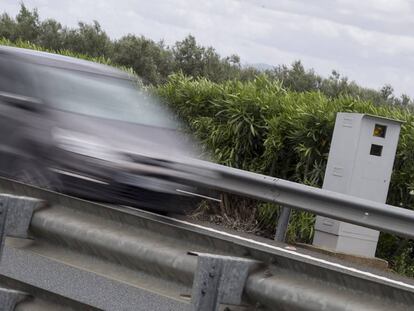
{"x": 233, "y": 213}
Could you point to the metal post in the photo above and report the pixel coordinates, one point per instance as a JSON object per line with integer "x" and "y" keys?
{"x": 282, "y": 224}
{"x": 15, "y": 216}
{"x": 9, "y": 298}
{"x": 219, "y": 280}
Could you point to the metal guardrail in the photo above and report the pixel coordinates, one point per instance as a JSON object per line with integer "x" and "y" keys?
{"x": 86, "y": 256}
{"x": 382, "y": 217}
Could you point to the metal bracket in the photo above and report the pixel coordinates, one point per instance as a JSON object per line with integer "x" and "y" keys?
{"x": 219, "y": 280}
{"x": 15, "y": 216}
{"x": 9, "y": 298}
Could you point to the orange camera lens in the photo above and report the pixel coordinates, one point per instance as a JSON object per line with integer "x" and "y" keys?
{"x": 380, "y": 130}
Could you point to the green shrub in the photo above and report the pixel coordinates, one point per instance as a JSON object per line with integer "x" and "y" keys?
{"x": 259, "y": 126}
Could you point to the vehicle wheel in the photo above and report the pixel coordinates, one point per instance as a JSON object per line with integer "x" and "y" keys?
{"x": 31, "y": 175}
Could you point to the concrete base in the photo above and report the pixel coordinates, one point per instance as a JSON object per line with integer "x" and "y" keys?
{"x": 376, "y": 263}
{"x": 344, "y": 237}
{"x": 345, "y": 244}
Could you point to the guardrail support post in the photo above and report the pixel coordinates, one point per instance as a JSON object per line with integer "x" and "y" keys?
{"x": 282, "y": 224}
{"x": 9, "y": 298}
{"x": 219, "y": 280}
{"x": 15, "y": 216}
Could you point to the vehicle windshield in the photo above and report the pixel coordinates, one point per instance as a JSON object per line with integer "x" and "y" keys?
{"x": 102, "y": 96}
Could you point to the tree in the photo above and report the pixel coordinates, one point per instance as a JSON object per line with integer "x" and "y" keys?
{"x": 87, "y": 39}
{"x": 248, "y": 73}
{"x": 195, "y": 60}
{"x": 337, "y": 85}
{"x": 7, "y": 27}
{"x": 233, "y": 59}
{"x": 151, "y": 61}
{"x": 50, "y": 35}
{"x": 296, "y": 78}
{"x": 27, "y": 24}
{"x": 386, "y": 92}
{"x": 188, "y": 57}
{"x": 404, "y": 100}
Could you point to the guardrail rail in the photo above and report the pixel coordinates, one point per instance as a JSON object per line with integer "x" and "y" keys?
{"x": 65, "y": 253}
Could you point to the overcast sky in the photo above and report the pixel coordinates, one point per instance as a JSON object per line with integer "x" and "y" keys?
{"x": 370, "y": 41}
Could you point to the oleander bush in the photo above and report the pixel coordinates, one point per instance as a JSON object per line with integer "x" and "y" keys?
{"x": 261, "y": 127}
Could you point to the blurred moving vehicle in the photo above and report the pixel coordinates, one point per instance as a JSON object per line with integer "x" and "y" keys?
{"x": 85, "y": 129}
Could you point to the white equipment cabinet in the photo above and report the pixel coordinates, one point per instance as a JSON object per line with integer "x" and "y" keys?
{"x": 360, "y": 164}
